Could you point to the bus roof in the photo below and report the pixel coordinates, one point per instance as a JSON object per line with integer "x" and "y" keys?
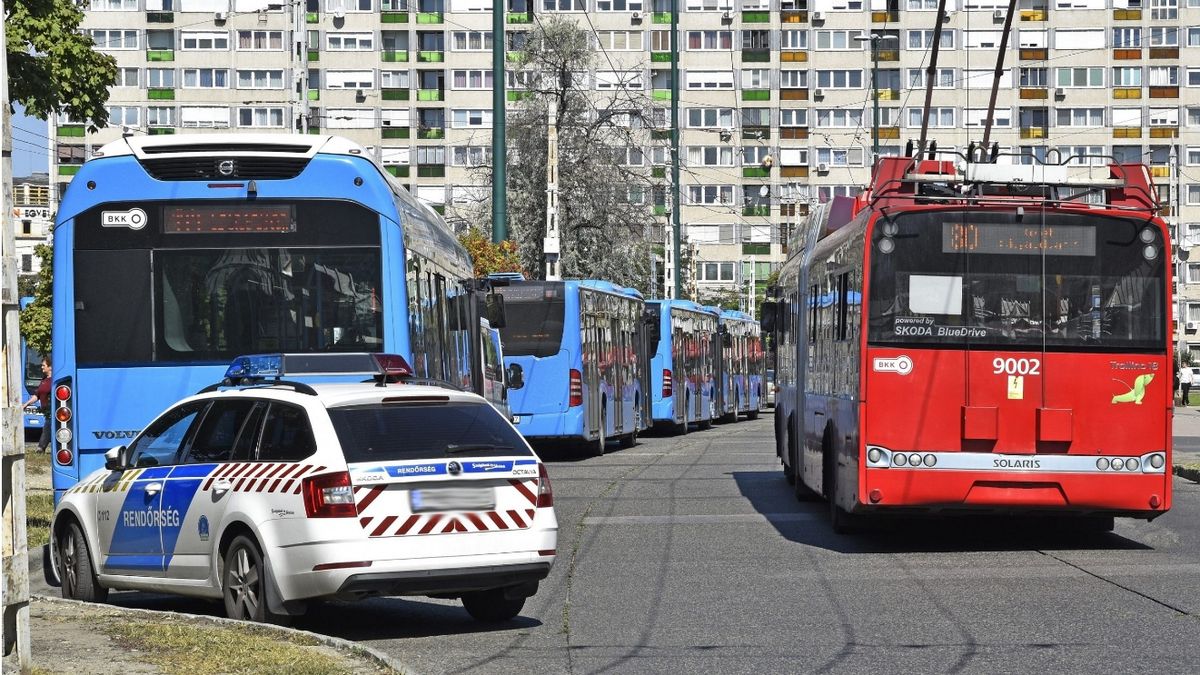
{"x": 735, "y": 315}
{"x": 608, "y": 286}
{"x": 667, "y": 303}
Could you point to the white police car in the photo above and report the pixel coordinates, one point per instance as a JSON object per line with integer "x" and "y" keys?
{"x": 269, "y": 493}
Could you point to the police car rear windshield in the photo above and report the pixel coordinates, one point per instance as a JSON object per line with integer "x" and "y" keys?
{"x": 398, "y": 431}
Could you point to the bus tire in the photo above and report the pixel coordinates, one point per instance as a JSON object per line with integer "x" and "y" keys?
{"x": 75, "y": 567}
{"x": 596, "y": 447}
{"x": 712, "y": 410}
{"x": 629, "y": 440}
{"x": 840, "y": 520}
{"x": 800, "y": 490}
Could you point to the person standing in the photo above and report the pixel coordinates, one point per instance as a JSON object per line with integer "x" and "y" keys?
{"x": 1185, "y": 383}
{"x": 42, "y": 396}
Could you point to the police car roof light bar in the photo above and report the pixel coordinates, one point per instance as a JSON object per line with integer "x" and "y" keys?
{"x": 392, "y": 367}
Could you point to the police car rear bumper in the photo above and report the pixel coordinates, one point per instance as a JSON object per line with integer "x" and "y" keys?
{"x": 442, "y": 581}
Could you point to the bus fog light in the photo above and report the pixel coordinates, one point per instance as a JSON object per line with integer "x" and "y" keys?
{"x": 63, "y": 435}
{"x": 930, "y": 460}
{"x": 900, "y": 459}
{"x": 1157, "y": 461}
{"x": 914, "y": 459}
{"x": 1147, "y": 235}
{"x": 1117, "y": 464}
{"x": 1150, "y": 252}
{"x": 1102, "y": 463}
{"x": 874, "y": 455}
{"x": 1131, "y": 464}
{"x": 887, "y": 245}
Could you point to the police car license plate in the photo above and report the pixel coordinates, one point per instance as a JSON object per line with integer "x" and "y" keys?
{"x": 453, "y": 499}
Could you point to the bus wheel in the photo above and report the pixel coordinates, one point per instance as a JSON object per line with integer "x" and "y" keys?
{"x": 630, "y": 439}
{"x": 752, "y": 414}
{"x": 712, "y": 411}
{"x": 842, "y": 521}
{"x": 596, "y": 447}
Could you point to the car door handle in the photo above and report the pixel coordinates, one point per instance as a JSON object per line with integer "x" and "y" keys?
{"x": 153, "y": 488}
{"x": 222, "y": 485}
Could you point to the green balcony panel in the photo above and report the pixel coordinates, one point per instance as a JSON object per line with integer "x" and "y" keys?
{"x": 756, "y": 211}
{"x": 662, "y": 95}
{"x": 661, "y": 17}
{"x": 429, "y": 94}
{"x": 160, "y": 17}
{"x": 398, "y": 171}
{"x": 160, "y": 94}
{"x": 756, "y": 249}
{"x": 312, "y": 17}
{"x": 159, "y": 55}
{"x": 519, "y": 17}
{"x": 393, "y": 57}
{"x": 755, "y": 172}
{"x": 756, "y": 94}
{"x": 431, "y": 134}
{"x": 756, "y": 133}
{"x": 396, "y": 94}
{"x": 429, "y": 17}
{"x": 756, "y": 55}
{"x": 658, "y": 172}
{"x": 314, "y": 131}
{"x": 314, "y": 55}
{"x": 431, "y": 57}
{"x": 756, "y": 17}
{"x": 314, "y": 94}
{"x": 660, "y": 210}
{"x": 440, "y": 209}
{"x": 71, "y": 131}
{"x": 660, "y": 57}
{"x": 514, "y": 56}
{"x": 161, "y": 131}
{"x": 394, "y": 17}
{"x": 661, "y": 134}
{"x": 395, "y": 132}
{"x": 431, "y": 171}
{"x": 68, "y": 169}
{"x": 514, "y": 96}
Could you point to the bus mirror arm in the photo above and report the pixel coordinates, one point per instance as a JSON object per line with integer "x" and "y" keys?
{"x": 115, "y": 459}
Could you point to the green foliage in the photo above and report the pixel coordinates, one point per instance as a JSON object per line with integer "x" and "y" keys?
{"x": 36, "y": 318}
{"x": 53, "y": 66}
{"x": 725, "y": 298}
{"x": 489, "y": 257}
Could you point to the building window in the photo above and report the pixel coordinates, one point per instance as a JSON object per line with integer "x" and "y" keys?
{"x": 840, "y": 79}
{"x": 1163, "y": 76}
{"x": 710, "y": 118}
{"x": 471, "y": 41}
{"x": 127, "y": 77}
{"x": 564, "y": 5}
{"x": 160, "y": 116}
{"x": 350, "y": 42}
{"x": 347, "y": 5}
{"x": 115, "y": 40}
{"x": 260, "y": 40}
{"x": 204, "y": 117}
{"x": 945, "y": 78}
{"x": 839, "y": 118}
{"x": 470, "y": 155}
{"x": 710, "y": 194}
{"x": 710, "y": 79}
{"x": 157, "y": 78}
{"x": 26, "y": 258}
{"x": 1079, "y": 117}
{"x": 260, "y": 79}
{"x": 709, "y": 40}
{"x": 204, "y": 41}
{"x": 271, "y": 118}
{"x": 1127, "y": 76}
{"x": 618, "y": 5}
{"x": 471, "y": 79}
{"x": 127, "y": 115}
{"x": 708, "y": 5}
{"x": 710, "y": 155}
{"x": 480, "y": 118}
{"x": 840, "y": 39}
{"x": 620, "y": 40}
{"x": 939, "y": 118}
{"x": 840, "y": 156}
{"x": 793, "y": 39}
{"x": 977, "y": 117}
{"x": 1079, "y": 77}
{"x": 205, "y": 78}
{"x": 113, "y": 5}
{"x": 714, "y": 271}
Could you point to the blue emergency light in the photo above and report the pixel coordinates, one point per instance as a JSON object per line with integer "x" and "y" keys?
{"x": 263, "y": 366}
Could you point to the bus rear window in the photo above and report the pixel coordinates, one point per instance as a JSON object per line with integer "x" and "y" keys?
{"x": 403, "y": 431}
{"x": 533, "y": 316}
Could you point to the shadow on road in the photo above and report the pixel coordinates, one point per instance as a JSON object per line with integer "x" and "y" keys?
{"x": 808, "y": 523}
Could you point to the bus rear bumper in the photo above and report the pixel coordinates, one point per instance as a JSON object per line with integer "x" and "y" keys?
{"x": 551, "y": 426}
{"x": 1135, "y": 495}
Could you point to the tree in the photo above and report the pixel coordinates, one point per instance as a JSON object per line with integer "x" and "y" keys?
{"x": 54, "y": 67}
{"x": 606, "y": 227}
{"x": 489, "y": 257}
{"x": 35, "y": 319}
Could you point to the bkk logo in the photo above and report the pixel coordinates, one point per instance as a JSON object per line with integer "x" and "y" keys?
{"x": 900, "y": 364}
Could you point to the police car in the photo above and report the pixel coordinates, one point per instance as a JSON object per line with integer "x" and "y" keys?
{"x": 269, "y": 492}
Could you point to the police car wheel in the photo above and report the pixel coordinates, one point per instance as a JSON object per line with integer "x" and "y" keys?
{"x": 491, "y": 606}
{"x": 76, "y": 571}
{"x": 243, "y": 581}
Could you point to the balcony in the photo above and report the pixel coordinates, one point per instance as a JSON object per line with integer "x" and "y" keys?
{"x": 160, "y": 94}
{"x": 1160, "y": 171}
{"x": 430, "y": 18}
{"x": 793, "y": 133}
{"x": 518, "y": 18}
{"x": 160, "y": 17}
{"x": 1164, "y": 92}
{"x": 393, "y": 56}
{"x": 160, "y": 131}
{"x": 793, "y": 16}
{"x": 431, "y": 56}
{"x": 1164, "y": 52}
{"x": 1127, "y": 15}
{"x": 759, "y": 210}
{"x": 756, "y": 17}
{"x": 1034, "y": 93}
{"x": 793, "y": 94}
{"x": 755, "y": 172}
{"x": 884, "y": 133}
{"x": 752, "y": 133}
{"x": 1035, "y": 15}
{"x": 431, "y": 171}
{"x": 396, "y": 132}
{"x": 514, "y": 56}
{"x": 431, "y": 134}
{"x": 71, "y": 131}
{"x": 756, "y": 55}
{"x": 658, "y": 172}
{"x": 1034, "y": 132}
{"x": 660, "y": 135}
{"x": 514, "y": 96}
{"x": 393, "y": 17}
{"x": 756, "y": 94}
{"x": 659, "y": 209}
{"x": 887, "y": 95}
{"x": 312, "y": 17}
{"x": 661, "y": 95}
{"x": 395, "y": 94}
{"x": 660, "y": 17}
{"x": 885, "y": 17}
{"x": 1127, "y": 54}
{"x": 1127, "y": 132}
{"x": 68, "y": 169}
{"x": 792, "y": 172}
{"x": 160, "y": 55}
{"x": 660, "y": 57}
{"x": 793, "y": 56}
{"x": 888, "y": 55}
{"x": 754, "y": 248}
{"x": 314, "y": 55}
{"x": 1123, "y": 93}
{"x": 1034, "y": 53}
{"x": 398, "y": 171}
{"x": 1164, "y": 132}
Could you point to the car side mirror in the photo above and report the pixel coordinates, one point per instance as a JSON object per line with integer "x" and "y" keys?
{"x": 494, "y": 303}
{"x": 514, "y": 377}
{"x": 114, "y": 460}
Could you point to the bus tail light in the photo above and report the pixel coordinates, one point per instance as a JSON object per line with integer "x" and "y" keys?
{"x": 668, "y": 383}
{"x": 62, "y": 393}
{"x": 545, "y": 495}
{"x": 576, "y": 388}
{"x": 63, "y": 414}
{"x": 329, "y": 496}
{"x": 63, "y": 457}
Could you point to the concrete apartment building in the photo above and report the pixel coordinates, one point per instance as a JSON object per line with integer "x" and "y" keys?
{"x": 32, "y": 219}
{"x": 775, "y": 95}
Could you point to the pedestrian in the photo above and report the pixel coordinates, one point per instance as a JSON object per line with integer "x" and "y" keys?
{"x": 1185, "y": 383}
{"x": 42, "y": 396}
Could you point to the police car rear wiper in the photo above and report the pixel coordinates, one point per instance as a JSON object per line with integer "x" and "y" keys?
{"x": 470, "y": 447}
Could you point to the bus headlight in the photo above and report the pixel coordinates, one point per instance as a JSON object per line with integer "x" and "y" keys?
{"x": 1131, "y": 464}
{"x": 1146, "y": 235}
{"x": 1157, "y": 461}
{"x": 1150, "y": 252}
{"x": 1102, "y": 463}
{"x": 900, "y": 459}
{"x": 874, "y": 455}
{"x": 887, "y": 245}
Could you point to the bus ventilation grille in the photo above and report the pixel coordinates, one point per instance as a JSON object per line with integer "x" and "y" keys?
{"x": 224, "y": 168}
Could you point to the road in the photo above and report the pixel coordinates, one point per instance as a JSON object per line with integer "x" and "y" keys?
{"x": 690, "y": 555}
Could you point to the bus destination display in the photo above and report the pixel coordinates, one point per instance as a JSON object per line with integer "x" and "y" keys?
{"x": 1017, "y": 239}
{"x": 228, "y": 219}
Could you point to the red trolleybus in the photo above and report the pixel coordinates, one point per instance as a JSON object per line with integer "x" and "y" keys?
{"x": 979, "y": 337}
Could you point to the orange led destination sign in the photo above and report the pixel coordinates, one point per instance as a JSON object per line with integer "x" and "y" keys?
{"x": 1017, "y": 239}
{"x": 228, "y": 219}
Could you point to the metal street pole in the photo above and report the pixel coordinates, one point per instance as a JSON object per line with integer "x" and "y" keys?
{"x": 875, "y": 97}
{"x": 675, "y": 190}
{"x": 499, "y": 150}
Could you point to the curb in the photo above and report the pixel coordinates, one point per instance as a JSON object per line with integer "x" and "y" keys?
{"x": 337, "y": 643}
{"x": 1191, "y": 472}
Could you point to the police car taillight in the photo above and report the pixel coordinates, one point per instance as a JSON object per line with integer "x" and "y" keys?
{"x": 545, "y": 492}
{"x": 329, "y": 496}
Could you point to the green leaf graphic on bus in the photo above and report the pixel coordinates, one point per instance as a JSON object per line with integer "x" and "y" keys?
{"x": 1138, "y": 391}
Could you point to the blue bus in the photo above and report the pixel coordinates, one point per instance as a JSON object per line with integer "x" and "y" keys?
{"x": 31, "y": 377}
{"x": 741, "y": 367}
{"x": 683, "y": 342}
{"x": 574, "y": 350}
{"x": 177, "y": 253}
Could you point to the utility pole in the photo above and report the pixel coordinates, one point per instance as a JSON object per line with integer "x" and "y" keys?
{"x": 550, "y": 244}
{"x": 15, "y": 544}
{"x": 676, "y": 200}
{"x": 499, "y": 150}
{"x": 1182, "y": 246}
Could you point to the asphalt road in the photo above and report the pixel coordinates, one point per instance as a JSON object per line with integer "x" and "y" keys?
{"x": 690, "y": 555}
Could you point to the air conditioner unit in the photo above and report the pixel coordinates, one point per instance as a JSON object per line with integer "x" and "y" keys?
{"x": 818, "y": 93}
{"x": 998, "y": 14}
{"x": 818, "y": 16}
{"x": 1059, "y": 92}
{"x": 220, "y": 16}
{"x": 822, "y": 167}
{"x": 1191, "y": 325}
{"x": 636, "y": 16}
{"x": 727, "y": 15}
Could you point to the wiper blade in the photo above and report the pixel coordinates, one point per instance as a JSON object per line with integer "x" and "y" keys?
{"x": 473, "y": 447}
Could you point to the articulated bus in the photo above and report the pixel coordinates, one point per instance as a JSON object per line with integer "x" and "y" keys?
{"x": 572, "y": 349}
{"x": 177, "y": 253}
{"x": 978, "y": 337}
{"x": 741, "y": 367}
{"x": 683, "y": 368}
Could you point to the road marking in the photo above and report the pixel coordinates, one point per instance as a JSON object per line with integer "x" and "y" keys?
{"x": 702, "y": 519}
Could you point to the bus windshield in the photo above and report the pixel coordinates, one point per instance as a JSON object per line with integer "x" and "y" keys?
{"x": 308, "y": 284}
{"x": 534, "y": 314}
{"x": 1052, "y": 281}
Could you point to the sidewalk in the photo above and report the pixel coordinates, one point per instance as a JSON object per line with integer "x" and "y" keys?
{"x": 1186, "y": 452}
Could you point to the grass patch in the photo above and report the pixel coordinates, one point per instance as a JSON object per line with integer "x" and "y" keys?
{"x": 1188, "y": 471}
{"x": 39, "y": 511}
{"x": 197, "y": 649}
{"x": 36, "y": 463}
